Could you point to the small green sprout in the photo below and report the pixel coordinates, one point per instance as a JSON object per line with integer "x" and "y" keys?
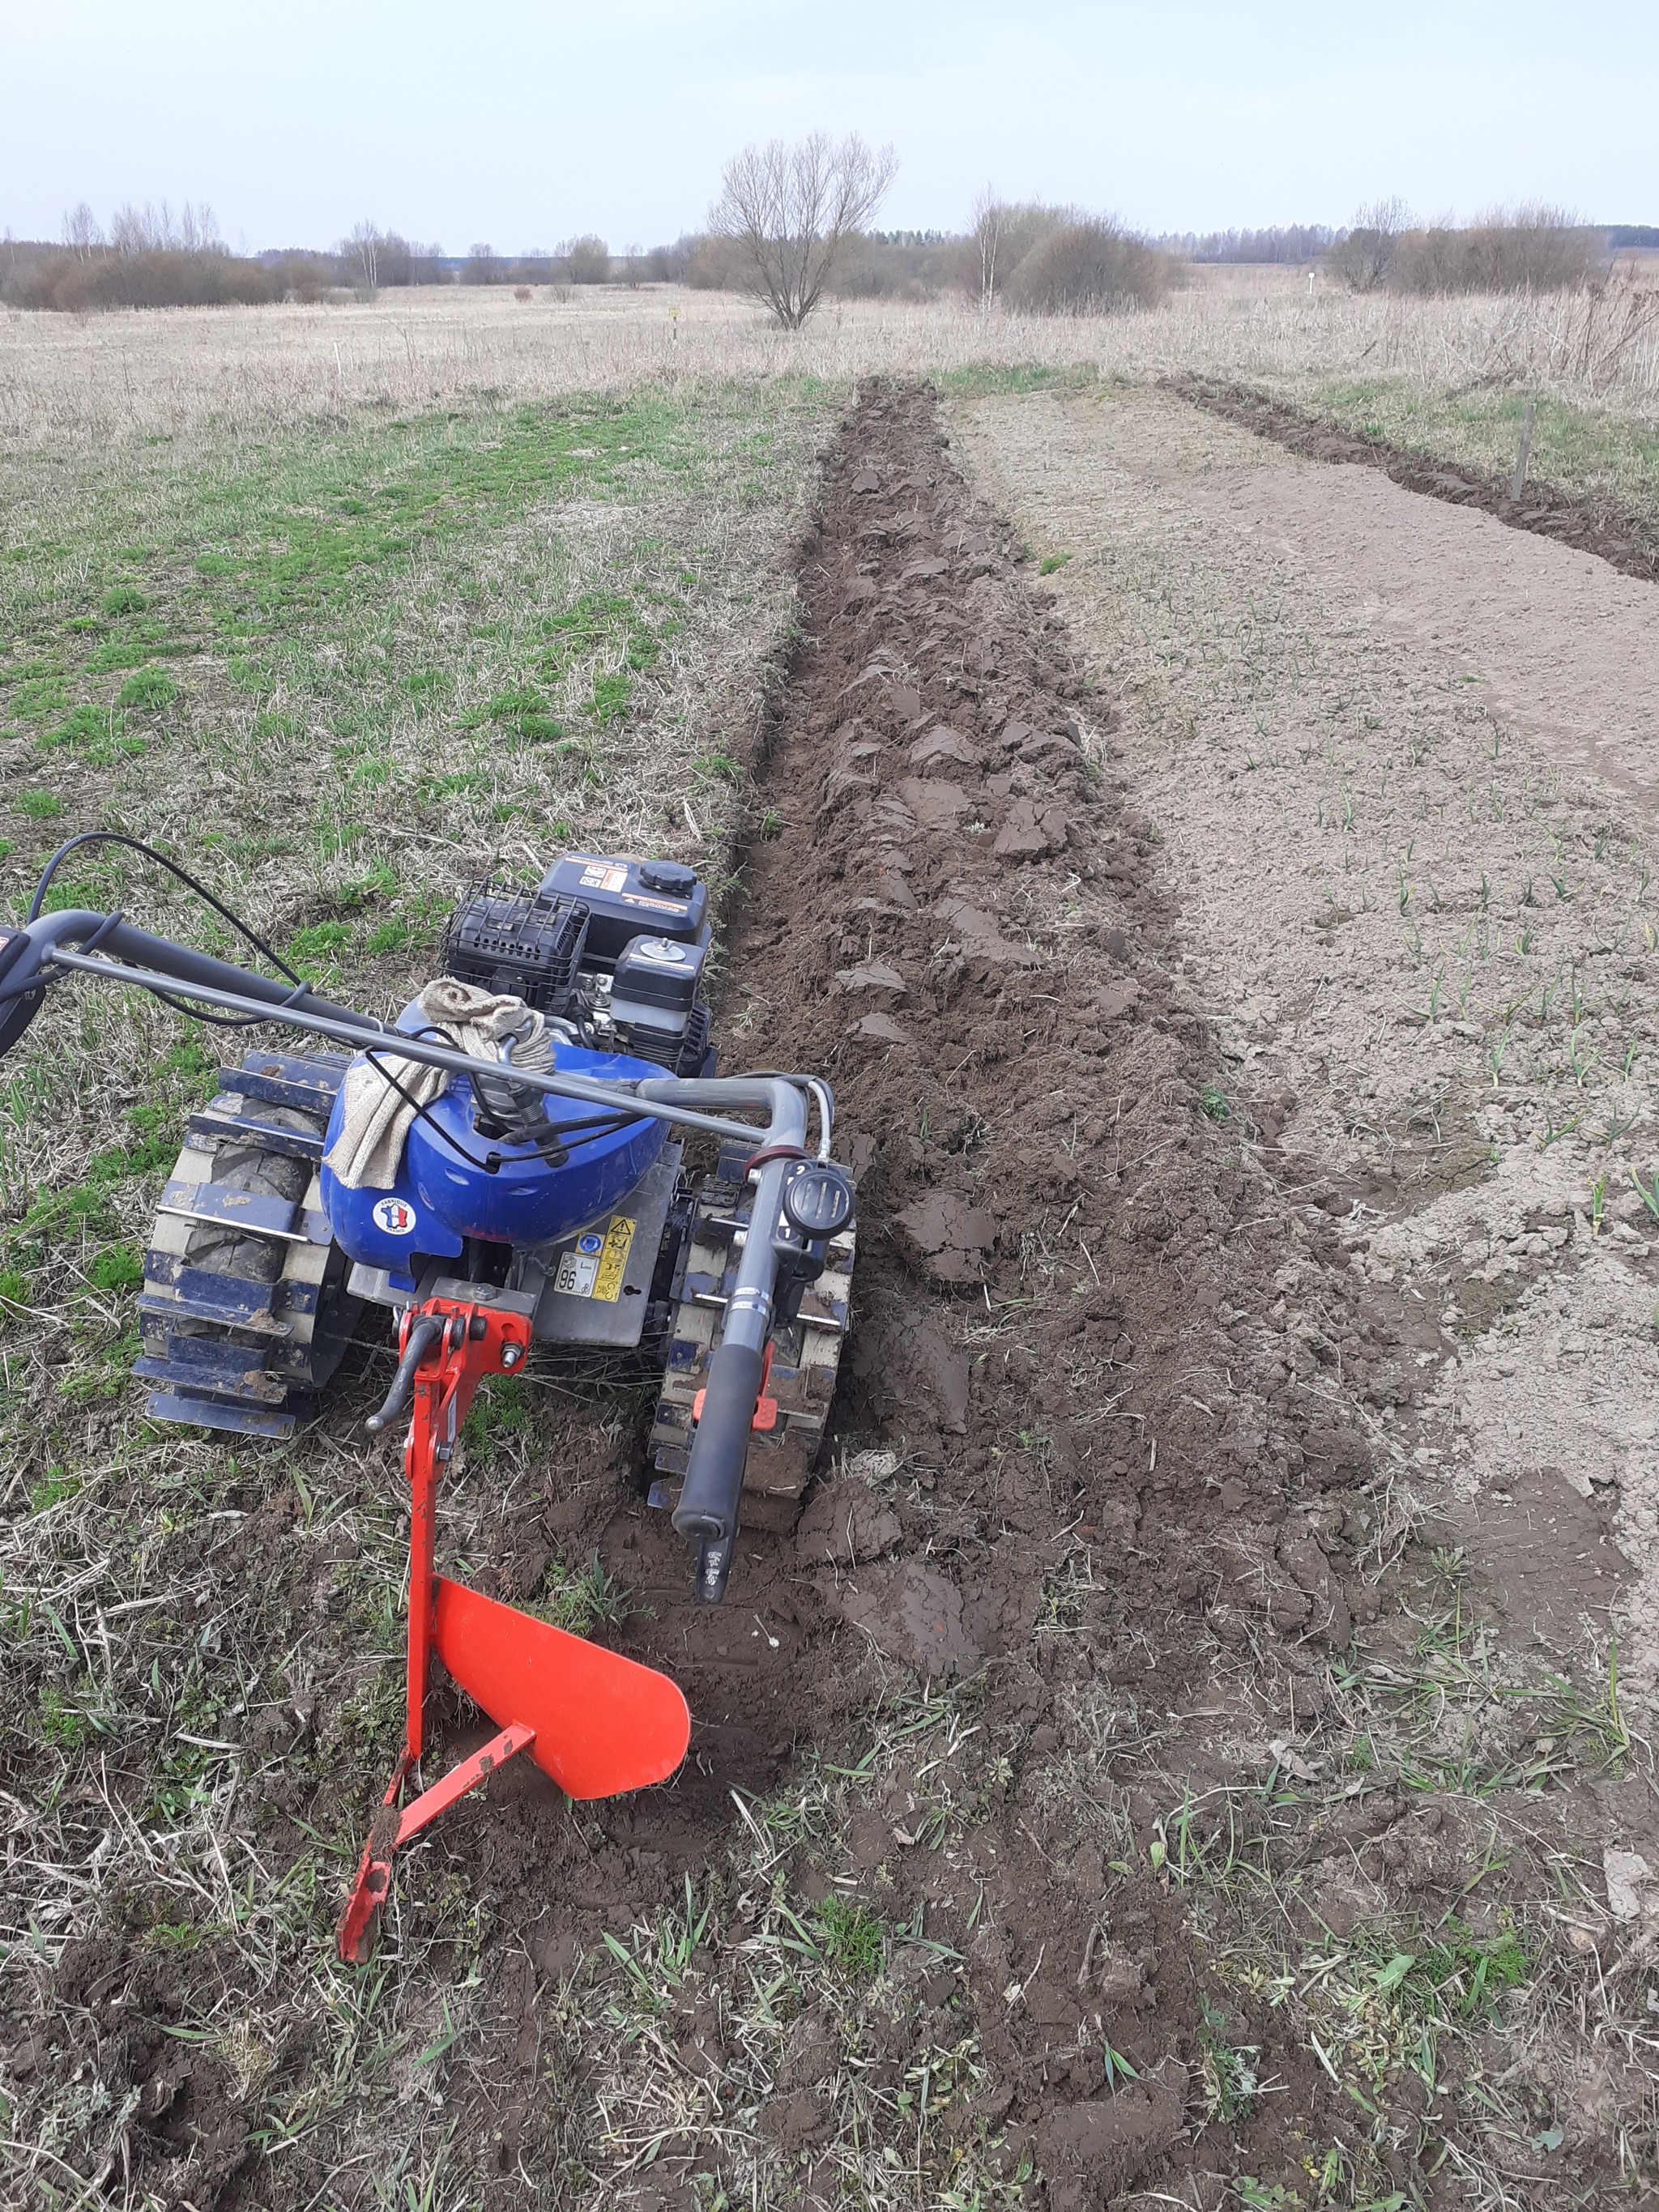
{"x": 850, "y": 1937}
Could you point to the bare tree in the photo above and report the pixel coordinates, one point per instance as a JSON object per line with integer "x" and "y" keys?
{"x": 789, "y": 210}
{"x": 361, "y": 253}
{"x": 81, "y": 234}
{"x": 990, "y": 218}
{"x": 1363, "y": 259}
{"x": 588, "y": 260}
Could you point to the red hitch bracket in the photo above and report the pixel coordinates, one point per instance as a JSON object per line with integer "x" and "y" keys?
{"x": 596, "y": 1722}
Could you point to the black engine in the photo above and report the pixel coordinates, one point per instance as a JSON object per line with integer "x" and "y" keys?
{"x": 615, "y": 947}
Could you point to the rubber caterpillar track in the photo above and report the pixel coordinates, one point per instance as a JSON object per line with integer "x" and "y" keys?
{"x": 244, "y": 1313}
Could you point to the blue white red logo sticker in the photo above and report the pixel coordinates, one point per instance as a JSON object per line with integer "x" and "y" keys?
{"x": 395, "y": 1216}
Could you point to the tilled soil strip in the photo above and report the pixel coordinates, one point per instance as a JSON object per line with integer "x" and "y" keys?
{"x": 1626, "y": 541}
{"x": 1065, "y": 1269}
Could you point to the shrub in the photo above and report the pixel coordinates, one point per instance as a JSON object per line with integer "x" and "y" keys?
{"x": 301, "y": 277}
{"x": 166, "y": 277}
{"x": 1527, "y": 249}
{"x": 1362, "y": 256}
{"x": 1535, "y": 249}
{"x": 1088, "y": 265}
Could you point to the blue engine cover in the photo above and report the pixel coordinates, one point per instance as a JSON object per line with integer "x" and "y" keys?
{"x": 438, "y": 1198}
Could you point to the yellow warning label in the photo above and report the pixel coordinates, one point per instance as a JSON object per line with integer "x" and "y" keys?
{"x": 618, "y": 1241}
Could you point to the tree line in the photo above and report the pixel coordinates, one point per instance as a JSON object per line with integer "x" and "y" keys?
{"x": 792, "y": 226}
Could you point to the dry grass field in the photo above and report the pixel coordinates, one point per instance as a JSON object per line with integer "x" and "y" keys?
{"x": 1449, "y": 366}
{"x": 349, "y": 605}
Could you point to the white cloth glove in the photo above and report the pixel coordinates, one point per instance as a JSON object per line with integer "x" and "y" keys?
{"x": 375, "y": 1123}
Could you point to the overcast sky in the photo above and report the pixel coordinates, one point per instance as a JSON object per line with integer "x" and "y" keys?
{"x": 521, "y": 123}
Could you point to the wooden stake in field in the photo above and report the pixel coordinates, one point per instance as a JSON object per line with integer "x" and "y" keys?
{"x": 1524, "y": 453}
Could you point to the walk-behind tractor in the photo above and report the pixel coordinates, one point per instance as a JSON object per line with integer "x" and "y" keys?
{"x": 502, "y": 1166}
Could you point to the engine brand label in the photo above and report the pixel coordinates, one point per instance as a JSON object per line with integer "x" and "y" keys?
{"x": 593, "y": 1267}
{"x": 395, "y": 1216}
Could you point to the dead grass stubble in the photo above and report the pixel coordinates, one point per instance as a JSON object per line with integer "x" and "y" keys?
{"x": 178, "y": 373}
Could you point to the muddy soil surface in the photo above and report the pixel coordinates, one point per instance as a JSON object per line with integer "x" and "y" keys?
{"x": 1100, "y": 1508}
{"x": 1628, "y": 540}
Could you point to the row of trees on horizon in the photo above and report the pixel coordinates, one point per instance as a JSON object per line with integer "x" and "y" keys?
{"x": 794, "y": 224}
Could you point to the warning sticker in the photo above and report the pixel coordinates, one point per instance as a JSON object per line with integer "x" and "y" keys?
{"x": 604, "y": 880}
{"x": 618, "y": 1239}
{"x": 593, "y": 1267}
{"x": 656, "y": 906}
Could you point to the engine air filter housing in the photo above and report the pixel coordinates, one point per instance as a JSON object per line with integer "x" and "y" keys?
{"x": 530, "y": 944}
{"x": 655, "y": 986}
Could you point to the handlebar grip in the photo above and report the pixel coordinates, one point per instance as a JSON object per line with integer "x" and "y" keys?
{"x": 20, "y": 1002}
{"x": 708, "y": 1506}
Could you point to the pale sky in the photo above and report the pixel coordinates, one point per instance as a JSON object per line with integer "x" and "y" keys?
{"x": 523, "y": 124}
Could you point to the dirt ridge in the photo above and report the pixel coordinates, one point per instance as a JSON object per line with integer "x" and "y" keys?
{"x": 1626, "y": 540}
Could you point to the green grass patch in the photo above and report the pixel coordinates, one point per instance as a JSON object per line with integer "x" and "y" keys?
{"x": 61, "y": 1724}
{"x": 1594, "y": 453}
{"x": 85, "y": 725}
{"x": 147, "y": 692}
{"x": 56, "y": 1486}
{"x": 850, "y": 1936}
{"x": 582, "y": 1600}
{"x": 504, "y": 1408}
{"x": 117, "y": 1267}
{"x": 39, "y": 698}
{"x": 1018, "y": 376}
{"x": 318, "y": 950}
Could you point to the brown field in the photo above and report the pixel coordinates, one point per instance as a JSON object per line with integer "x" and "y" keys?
{"x": 1195, "y": 1747}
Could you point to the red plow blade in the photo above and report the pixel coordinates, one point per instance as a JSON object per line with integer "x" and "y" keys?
{"x": 596, "y": 1722}
{"x": 602, "y": 1723}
